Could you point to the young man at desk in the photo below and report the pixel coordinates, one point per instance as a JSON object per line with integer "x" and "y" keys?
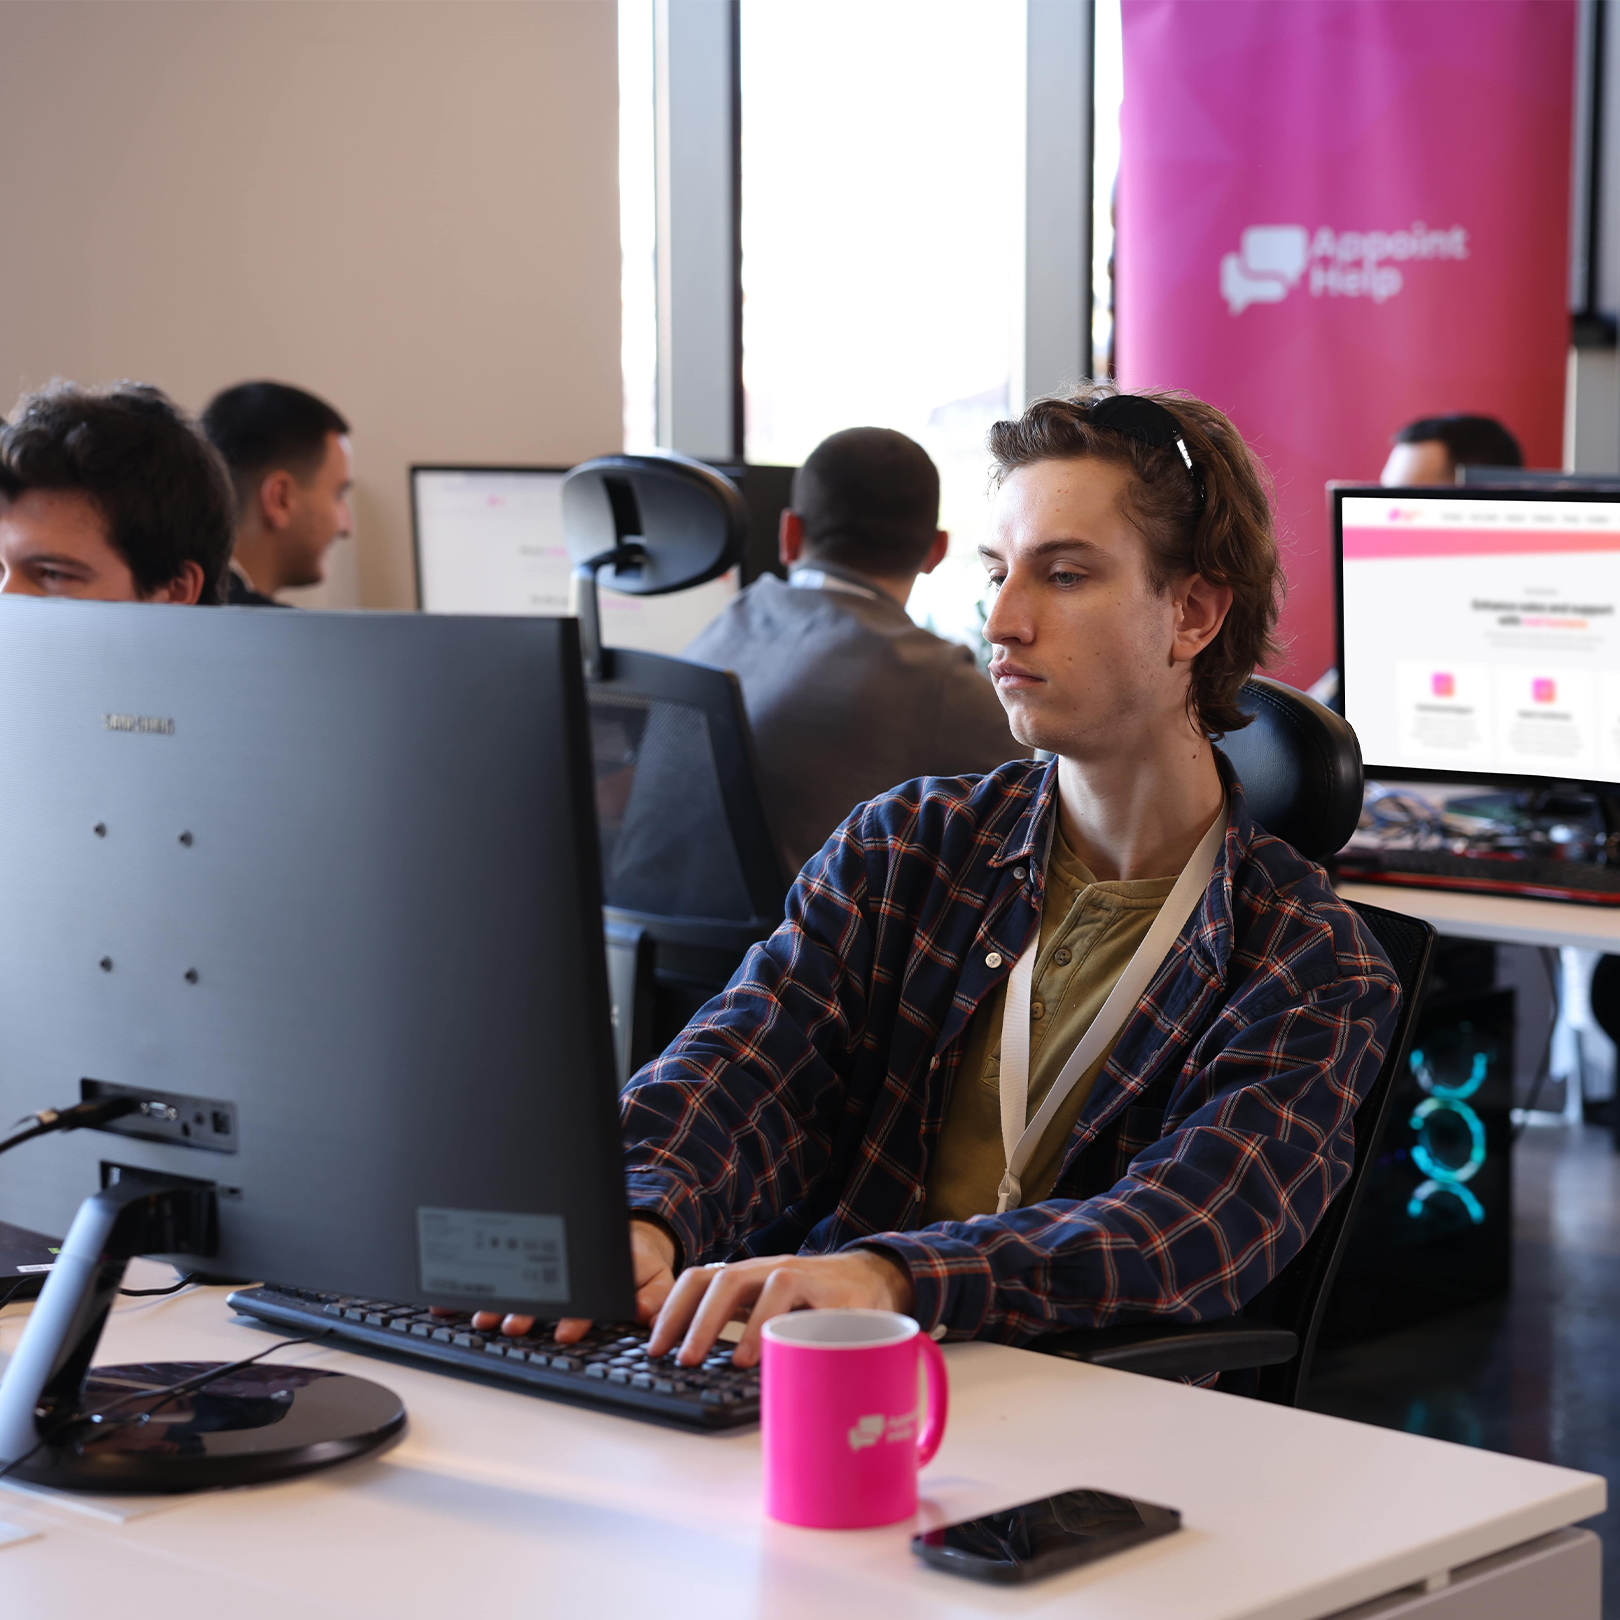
{"x": 897, "y": 1102}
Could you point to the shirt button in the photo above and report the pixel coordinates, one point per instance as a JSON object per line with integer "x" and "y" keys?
{"x": 1020, "y": 873}
{"x": 1062, "y": 956}
{"x": 1037, "y": 1009}
{"x": 993, "y": 960}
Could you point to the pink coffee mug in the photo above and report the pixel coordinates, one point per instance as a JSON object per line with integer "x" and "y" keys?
{"x": 839, "y": 1412}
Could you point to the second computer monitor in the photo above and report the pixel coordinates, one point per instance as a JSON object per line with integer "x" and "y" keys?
{"x": 490, "y": 540}
{"x": 1477, "y": 631}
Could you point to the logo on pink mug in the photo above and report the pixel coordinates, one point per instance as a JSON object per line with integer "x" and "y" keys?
{"x": 838, "y": 1408}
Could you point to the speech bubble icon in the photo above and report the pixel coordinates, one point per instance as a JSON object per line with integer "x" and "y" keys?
{"x": 1275, "y": 250}
{"x": 1240, "y": 289}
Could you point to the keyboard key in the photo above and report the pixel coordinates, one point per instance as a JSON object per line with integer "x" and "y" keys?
{"x": 596, "y": 1370}
{"x": 565, "y": 1364}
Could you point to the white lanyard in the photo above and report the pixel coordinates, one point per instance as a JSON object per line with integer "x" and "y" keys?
{"x": 1018, "y": 1139}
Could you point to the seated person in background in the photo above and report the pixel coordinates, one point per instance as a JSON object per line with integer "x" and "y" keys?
{"x": 1430, "y": 450}
{"x": 879, "y": 1111}
{"x": 289, "y": 458}
{"x": 845, "y": 695}
{"x": 111, "y": 494}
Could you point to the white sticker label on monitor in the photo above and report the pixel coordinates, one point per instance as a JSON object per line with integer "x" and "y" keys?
{"x": 488, "y": 1254}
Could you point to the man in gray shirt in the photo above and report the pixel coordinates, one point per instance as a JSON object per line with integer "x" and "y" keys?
{"x": 845, "y": 695}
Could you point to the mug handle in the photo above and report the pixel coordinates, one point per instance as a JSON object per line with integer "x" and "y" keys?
{"x": 939, "y": 1400}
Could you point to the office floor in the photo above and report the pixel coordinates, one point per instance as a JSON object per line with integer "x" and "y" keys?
{"x": 1538, "y": 1374}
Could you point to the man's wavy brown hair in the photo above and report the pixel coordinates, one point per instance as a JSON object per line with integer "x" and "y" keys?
{"x": 1229, "y": 537}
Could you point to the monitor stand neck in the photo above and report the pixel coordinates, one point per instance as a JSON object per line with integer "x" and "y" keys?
{"x": 44, "y": 1380}
{"x": 164, "y": 1426}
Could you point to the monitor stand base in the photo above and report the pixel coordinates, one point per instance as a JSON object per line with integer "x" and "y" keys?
{"x": 127, "y": 1429}
{"x": 247, "y": 1427}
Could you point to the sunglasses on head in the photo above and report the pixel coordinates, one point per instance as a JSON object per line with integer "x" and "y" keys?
{"x": 1146, "y": 421}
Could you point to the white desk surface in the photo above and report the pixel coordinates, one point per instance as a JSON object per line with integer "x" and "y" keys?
{"x": 506, "y": 1505}
{"x": 1497, "y": 917}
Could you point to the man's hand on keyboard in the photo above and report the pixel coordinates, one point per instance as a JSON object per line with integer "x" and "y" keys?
{"x": 705, "y": 1298}
{"x": 652, "y": 1255}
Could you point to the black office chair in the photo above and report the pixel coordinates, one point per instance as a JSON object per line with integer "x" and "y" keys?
{"x": 691, "y": 873}
{"x": 1300, "y": 766}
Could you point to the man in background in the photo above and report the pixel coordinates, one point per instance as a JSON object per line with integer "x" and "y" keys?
{"x": 111, "y": 495}
{"x": 845, "y": 695}
{"x": 1431, "y": 449}
{"x": 289, "y": 458}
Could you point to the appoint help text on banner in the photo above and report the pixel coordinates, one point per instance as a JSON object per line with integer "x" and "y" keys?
{"x": 1335, "y": 217}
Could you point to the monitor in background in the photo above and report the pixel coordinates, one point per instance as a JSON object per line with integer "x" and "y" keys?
{"x": 1478, "y": 635}
{"x": 318, "y": 892}
{"x": 1536, "y": 478}
{"x": 489, "y": 540}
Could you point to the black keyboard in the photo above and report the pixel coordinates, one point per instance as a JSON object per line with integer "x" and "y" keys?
{"x": 1529, "y": 877}
{"x": 609, "y": 1367}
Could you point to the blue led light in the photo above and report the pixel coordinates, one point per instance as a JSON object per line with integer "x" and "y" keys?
{"x": 1425, "y": 1077}
{"x": 1444, "y": 1099}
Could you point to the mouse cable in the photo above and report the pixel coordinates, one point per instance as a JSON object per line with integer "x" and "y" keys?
{"x": 78, "y": 1117}
{"x": 164, "y": 1393}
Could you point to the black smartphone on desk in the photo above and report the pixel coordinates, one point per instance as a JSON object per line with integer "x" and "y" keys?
{"x": 1039, "y": 1538}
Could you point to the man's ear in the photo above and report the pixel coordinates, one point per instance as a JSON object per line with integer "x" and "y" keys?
{"x": 936, "y": 552}
{"x": 1201, "y": 610}
{"x": 790, "y": 538}
{"x": 277, "y": 494}
{"x": 184, "y": 589}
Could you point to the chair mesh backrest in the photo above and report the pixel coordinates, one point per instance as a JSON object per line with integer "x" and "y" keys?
{"x": 1298, "y": 1297}
{"x": 666, "y": 843}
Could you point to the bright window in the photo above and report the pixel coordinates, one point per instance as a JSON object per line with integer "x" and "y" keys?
{"x": 882, "y": 231}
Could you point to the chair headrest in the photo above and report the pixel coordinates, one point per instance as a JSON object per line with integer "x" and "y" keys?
{"x": 684, "y": 522}
{"x": 1300, "y": 766}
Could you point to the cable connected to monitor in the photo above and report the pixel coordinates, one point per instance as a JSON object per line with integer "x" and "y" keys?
{"x": 84, "y": 1116}
{"x": 79, "y": 1116}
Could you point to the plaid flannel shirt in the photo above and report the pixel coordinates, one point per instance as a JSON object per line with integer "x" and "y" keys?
{"x": 798, "y": 1109}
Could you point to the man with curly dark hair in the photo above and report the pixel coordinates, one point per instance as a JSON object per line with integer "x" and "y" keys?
{"x": 1059, "y": 1046}
{"x": 111, "y": 494}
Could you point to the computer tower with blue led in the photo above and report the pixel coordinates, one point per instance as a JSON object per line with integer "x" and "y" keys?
{"x": 1435, "y": 1230}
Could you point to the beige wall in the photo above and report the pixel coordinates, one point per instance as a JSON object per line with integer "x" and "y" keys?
{"x": 408, "y": 206}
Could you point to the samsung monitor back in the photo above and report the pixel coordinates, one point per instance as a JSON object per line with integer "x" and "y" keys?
{"x": 326, "y": 886}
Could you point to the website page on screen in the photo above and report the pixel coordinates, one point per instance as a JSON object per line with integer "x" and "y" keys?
{"x": 1480, "y": 635}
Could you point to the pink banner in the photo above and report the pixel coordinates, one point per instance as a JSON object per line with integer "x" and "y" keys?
{"x": 1335, "y": 217}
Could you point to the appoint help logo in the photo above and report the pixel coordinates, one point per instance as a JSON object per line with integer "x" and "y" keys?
{"x": 1273, "y": 259}
{"x": 900, "y": 1429}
